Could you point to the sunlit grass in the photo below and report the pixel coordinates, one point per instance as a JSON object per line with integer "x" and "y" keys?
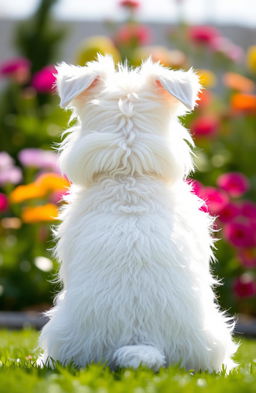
{"x": 18, "y": 373}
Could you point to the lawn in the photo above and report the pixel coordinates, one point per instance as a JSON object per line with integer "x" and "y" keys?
{"x": 17, "y": 373}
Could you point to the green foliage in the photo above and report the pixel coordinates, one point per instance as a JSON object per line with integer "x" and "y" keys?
{"x": 38, "y": 39}
{"x": 19, "y": 374}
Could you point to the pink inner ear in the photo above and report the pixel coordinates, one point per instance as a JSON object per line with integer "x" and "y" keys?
{"x": 94, "y": 83}
{"x": 85, "y": 92}
{"x": 163, "y": 92}
{"x": 158, "y": 83}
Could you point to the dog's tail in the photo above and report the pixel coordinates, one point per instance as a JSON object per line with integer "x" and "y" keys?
{"x": 138, "y": 355}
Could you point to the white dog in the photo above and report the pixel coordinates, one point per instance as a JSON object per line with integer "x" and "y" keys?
{"x": 133, "y": 244}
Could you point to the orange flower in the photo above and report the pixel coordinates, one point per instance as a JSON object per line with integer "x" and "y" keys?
{"x": 48, "y": 212}
{"x": 52, "y": 182}
{"x": 25, "y": 192}
{"x": 243, "y": 102}
{"x": 238, "y": 82}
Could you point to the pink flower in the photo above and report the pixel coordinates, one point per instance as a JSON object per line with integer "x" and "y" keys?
{"x": 6, "y": 160}
{"x": 204, "y": 126}
{"x": 196, "y": 186}
{"x": 224, "y": 46}
{"x": 131, "y": 34}
{"x": 43, "y": 81}
{"x": 133, "y": 4}
{"x": 12, "y": 175}
{"x": 229, "y": 212}
{"x": 15, "y": 67}
{"x": 215, "y": 200}
{"x": 248, "y": 210}
{"x": 244, "y": 286}
{"x": 240, "y": 234}
{"x": 37, "y": 158}
{"x": 3, "y": 202}
{"x": 235, "y": 183}
{"x": 57, "y": 196}
{"x": 248, "y": 257}
{"x": 197, "y": 189}
{"x": 203, "y": 34}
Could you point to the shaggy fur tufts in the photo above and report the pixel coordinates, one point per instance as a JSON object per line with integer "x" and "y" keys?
{"x": 133, "y": 244}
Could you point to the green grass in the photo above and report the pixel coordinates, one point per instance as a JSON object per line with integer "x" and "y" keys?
{"x": 18, "y": 373}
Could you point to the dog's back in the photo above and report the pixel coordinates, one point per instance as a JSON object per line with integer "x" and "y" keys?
{"x": 133, "y": 244}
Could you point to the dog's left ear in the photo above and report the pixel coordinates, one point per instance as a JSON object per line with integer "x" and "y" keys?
{"x": 183, "y": 85}
{"x": 72, "y": 80}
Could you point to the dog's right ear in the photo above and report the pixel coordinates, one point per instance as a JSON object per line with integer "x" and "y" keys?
{"x": 72, "y": 80}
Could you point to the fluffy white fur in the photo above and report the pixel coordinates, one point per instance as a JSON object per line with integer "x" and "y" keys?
{"x": 133, "y": 244}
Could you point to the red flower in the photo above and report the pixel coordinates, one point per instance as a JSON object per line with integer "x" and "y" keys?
{"x": 133, "y": 4}
{"x": 3, "y": 202}
{"x": 43, "y": 81}
{"x": 244, "y": 286}
{"x": 229, "y": 212}
{"x": 204, "y": 126}
{"x": 240, "y": 234}
{"x": 248, "y": 257}
{"x": 235, "y": 183}
{"x": 203, "y": 34}
{"x": 132, "y": 34}
{"x": 215, "y": 200}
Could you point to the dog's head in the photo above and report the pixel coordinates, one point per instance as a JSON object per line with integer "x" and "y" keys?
{"x": 127, "y": 120}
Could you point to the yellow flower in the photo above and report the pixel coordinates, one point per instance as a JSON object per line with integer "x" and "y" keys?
{"x": 238, "y": 82}
{"x": 52, "y": 182}
{"x": 48, "y": 212}
{"x": 25, "y": 192}
{"x": 207, "y": 78}
{"x": 251, "y": 58}
{"x": 89, "y": 49}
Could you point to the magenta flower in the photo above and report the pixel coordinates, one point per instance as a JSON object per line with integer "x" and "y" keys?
{"x": 43, "y": 81}
{"x": 229, "y": 212}
{"x": 235, "y": 183}
{"x": 6, "y": 160}
{"x": 57, "y": 196}
{"x": 3, "y": 202}
{"x": 15, "y": 66}
{"x": 197, "y": 189}
{"x": 37, "y": 158}
{"x": 244, "y": 286}
{"x": 204, "y": 126}
{"x": 215, "y": 199}
{"x": 240, "y": 234}
{"x": 248, "y": 210}
{"x": 196, "y": 186}
{"x": 248, "y": 257}
{"x": 12, "y": 175}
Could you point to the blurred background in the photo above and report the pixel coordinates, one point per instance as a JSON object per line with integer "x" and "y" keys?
{"x": 217, "y": 38}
